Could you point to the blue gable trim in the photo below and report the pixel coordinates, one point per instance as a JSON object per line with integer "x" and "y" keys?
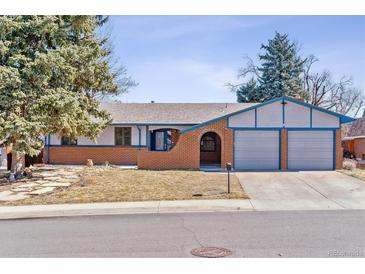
{"x": 229, "y": 115}
{"x": 342, "y": 118}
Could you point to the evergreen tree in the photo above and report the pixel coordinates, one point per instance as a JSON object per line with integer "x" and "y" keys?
{"x": 281, "y": 68}
{"x": 52, "y": 69}
{"x": 248, "y": 92}
{"x": 279, "y": 73}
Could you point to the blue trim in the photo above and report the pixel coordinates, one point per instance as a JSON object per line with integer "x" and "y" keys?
{"x": 148, "y": 138}
{"x": 259, "y": 128}
{"x": 343, "y": 118}
{"x": 139, "y": 136}
{"x": 283, "y": 110}
{"x": 255, "y": 117}
{"x": 234, "y": 160}
{"x": 312, "y": 129}
{"x": 228, "y": 115}
{"x": 47, "y": 147}
{"x": 311, "y": 118}
{"x": 243, "y": 129}
{"x": 334, "y": 149}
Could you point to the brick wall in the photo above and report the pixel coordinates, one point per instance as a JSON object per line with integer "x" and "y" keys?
{"x": 349, "y": 145}
{"x": 79, "y": 155}
{"x": 359, "y": 147}
{"x": 186, "y": 153}
{"x": 339, "y": 150}
{"x": 284, "y": 149}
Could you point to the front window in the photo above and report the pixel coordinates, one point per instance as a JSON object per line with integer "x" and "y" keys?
{"x": 123, "y": 136}
{"x": 161, "y": 139}
{"x": 67, "y": 141}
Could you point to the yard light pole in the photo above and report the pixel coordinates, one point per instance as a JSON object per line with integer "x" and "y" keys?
{"x": 229, "y": 168}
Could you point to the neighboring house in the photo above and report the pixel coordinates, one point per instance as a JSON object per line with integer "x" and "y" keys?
{"x": 282, "y": 134}
{"x": 354, "y": 138}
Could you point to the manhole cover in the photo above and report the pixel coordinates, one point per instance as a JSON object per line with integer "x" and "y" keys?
{"x": 211, "y": 252}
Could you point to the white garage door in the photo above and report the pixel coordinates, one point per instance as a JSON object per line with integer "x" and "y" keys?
{"x": 310, "y": 150}
{"x": 256, "y": 149}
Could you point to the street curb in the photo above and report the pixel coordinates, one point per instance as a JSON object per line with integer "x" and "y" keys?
{"x": 154, "y": 207}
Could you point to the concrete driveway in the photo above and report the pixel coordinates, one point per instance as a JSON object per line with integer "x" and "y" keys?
{"x": 303, "y": 190}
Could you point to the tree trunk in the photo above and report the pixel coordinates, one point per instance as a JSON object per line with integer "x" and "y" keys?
{"x": 17, "y": 164}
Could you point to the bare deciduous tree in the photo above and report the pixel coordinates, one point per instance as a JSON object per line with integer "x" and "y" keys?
{"x": 339, "y": 96}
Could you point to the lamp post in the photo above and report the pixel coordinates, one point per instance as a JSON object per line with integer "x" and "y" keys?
{"x": 229, "y": 168}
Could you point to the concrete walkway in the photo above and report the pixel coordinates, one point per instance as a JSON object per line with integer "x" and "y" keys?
{"x": 305, "y": 190}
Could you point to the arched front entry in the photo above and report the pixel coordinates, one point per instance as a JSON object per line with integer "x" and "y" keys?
{"x": 210, "y": 149}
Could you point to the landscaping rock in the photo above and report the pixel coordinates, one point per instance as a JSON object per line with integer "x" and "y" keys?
{"x": 21, "y": 189}
{"x": 43, "y": 190}
{"x": 28, "y": 185}
{"x": 56, "y": 184}
{"x": 7, "y": 196}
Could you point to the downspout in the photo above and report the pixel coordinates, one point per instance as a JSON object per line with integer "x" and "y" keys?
{"x": 48, "y": 141}
{"x": 139, "y": 137}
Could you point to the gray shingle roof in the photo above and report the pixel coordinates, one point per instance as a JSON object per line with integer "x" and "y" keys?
{"x": 170, "y": 113}
{"x": 356, "y": 128}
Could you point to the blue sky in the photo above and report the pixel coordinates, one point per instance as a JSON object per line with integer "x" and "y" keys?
{"x": 192, "y": 58}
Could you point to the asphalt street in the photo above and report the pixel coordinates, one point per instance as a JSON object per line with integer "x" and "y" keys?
{"x": 332, "y": 233}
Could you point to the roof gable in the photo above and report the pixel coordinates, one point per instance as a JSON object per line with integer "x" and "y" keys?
{"x": 343, "y": 119}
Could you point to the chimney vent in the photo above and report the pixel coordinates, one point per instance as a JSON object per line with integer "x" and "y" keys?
{"x": 298, "y": 97}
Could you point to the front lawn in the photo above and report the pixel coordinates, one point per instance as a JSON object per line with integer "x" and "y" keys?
{"x": 99, "y": 184}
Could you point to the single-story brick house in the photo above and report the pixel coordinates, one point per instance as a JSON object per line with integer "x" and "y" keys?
{"x": 281, "y": 134}
{"x": 354, "y": 138}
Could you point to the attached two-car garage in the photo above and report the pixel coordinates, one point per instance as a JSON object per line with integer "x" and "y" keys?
{"x": 306, "y": 149}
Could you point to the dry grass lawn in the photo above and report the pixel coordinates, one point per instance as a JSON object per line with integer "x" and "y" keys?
{"x": 356, "y": 172}
{"x": 116, "y": 185}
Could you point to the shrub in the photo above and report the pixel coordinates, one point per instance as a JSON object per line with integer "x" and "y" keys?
{"x": 349, "y": 164}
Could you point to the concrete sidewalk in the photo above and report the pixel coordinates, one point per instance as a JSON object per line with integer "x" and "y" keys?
{"x": 58, "y": 210}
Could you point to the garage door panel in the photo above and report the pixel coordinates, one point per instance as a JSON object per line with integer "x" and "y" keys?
{"x": 256, "y": 150}
{"x": 310, "y": 150}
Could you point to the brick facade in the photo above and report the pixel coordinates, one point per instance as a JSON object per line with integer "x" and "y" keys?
{"x": 284, "y": 149}
{"x": 99, "y": 155}
{"x": 359, "y": 147}
{"x": 339, "y": 149}
{"x": 186, "y": 153}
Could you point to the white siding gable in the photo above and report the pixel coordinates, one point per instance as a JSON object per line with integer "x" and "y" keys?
{"x": 296, "y": 115}
{"x": 322, "y": 119}
{"x": 270, "y": 115}
{"x": 244, "y": 119}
